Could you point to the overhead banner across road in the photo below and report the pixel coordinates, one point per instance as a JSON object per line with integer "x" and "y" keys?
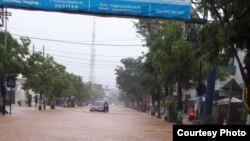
{"x": 167, "y": 9}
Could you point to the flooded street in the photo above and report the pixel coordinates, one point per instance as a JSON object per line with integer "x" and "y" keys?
{"x": 79, "y": 124}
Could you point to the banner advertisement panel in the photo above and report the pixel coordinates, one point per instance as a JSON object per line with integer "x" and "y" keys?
{"x": 166, "y": 9}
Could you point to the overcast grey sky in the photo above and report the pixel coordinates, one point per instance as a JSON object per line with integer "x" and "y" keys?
{"x": 78, "y": 28}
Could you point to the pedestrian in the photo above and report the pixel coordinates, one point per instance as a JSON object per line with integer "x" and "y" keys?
{"x": 19, "y": 103}
{"x": 36, "y": 100}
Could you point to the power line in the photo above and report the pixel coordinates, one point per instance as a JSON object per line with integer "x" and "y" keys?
{"x": 102, "y": 78}
{"x": 79, "y": 58}
{"x": 54, "y": 54}
{"x": 87, "y": 66}
{"x": 77, "y": 43}
{"x": 68, "y": 52}
{"x": 35, "y": 30}
{"x": 78, "y": 63}
{"x": 84, "y": 58}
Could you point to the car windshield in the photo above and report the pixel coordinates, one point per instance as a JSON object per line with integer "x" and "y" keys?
{"x": 99, "y": 103}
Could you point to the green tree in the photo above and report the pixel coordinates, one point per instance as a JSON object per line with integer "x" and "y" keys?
{"x": 76, "y": 88}
{"x": 183, "y": 65}
{"x": 47, "y": 77}
{"x": 12, "y": 59}
{"x": 79, "y": 88}
{"x": 128, "y": 78}
{"x": 149, "y": 81}
{"x": 41, "y": 74}
{"x": 172, "y": 59}
{"x": 230, "y": 19}
{"x": 126, "y": 98}
{"x": 59, "y": 83}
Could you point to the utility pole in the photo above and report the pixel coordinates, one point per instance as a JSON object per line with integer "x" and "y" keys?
{"x": 4, "y": 17}
{"x": 201, "y": 88}
{"x": 33, "y": 51}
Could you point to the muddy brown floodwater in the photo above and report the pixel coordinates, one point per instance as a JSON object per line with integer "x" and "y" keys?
{"x": 78, "y": 124}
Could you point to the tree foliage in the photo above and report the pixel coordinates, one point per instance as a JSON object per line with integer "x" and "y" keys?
{"x": 231, "y": 20}
{"x": 12, "y": 59}
{"x": 128, "y": 77}
{"x": 173, "y": 63}
{"x": 45, "y": 76}
{"x": 12, "y": 56}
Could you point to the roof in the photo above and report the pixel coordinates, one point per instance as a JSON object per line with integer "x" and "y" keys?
{"x": 231, "y": 85}
{"x": 225, "y": 101}
{"x": 231, "y": 88}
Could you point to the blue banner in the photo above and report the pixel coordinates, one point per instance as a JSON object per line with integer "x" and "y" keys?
{"x": 167, "y": 9}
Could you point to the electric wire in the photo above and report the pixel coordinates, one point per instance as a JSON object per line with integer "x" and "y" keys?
{"x": 68, "y": 52}
{"x": 53, "y": 32}
{"x": 77, "y": 43}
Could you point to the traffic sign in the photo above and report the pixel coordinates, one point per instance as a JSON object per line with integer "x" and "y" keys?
{"x": 11, "y": 81}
